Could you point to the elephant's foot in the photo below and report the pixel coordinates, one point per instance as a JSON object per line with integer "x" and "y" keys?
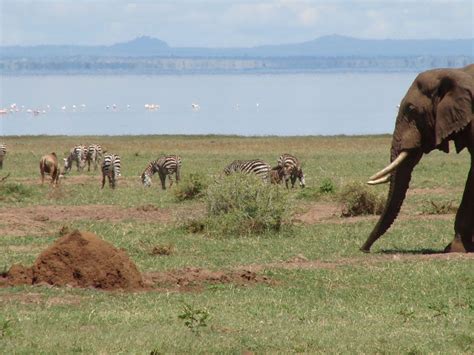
{"x": 460, "y": 245}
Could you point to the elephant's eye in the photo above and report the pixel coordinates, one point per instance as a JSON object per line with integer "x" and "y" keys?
{"x": 409, "y": 109}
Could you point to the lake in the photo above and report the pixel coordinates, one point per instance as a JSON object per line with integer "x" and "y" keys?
{"x": 282, "y": 104}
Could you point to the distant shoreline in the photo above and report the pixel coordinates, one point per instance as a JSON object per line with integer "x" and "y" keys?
{"x": 90, "y": 65}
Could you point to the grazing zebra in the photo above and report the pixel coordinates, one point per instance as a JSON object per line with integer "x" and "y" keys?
{"x": 3, "y": 152}
{"x": 94, "y": 155}
{"x": 78, "y": 154}
{"x": 292, "y": 168}
{"x": 256, "y": 166}
{"x": 167, "y": 165}
{"x": 149, "y": 171}
{"x": 111, "y": 169}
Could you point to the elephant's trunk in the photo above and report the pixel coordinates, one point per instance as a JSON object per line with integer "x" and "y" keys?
{"x": 399, "y": 182}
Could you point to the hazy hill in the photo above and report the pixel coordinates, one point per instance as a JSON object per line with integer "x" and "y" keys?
{"x": 327, "y": 46}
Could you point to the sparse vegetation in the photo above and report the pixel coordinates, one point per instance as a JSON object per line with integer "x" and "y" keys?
{"x": 240, "y": 205}
{"x": 5, "y": 327}
{"x": 163, "y": 249}
{"x": 441, "y": 207}
{"x": 358, "y": 200}
{"x": 194, "y": 318}
{"x": 327, "y": 186}
{"x": 15, "y": 192}
{"x": 192, "y": 186}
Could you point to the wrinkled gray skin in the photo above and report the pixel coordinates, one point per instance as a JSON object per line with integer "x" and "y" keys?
{"x": 437, "y": 108}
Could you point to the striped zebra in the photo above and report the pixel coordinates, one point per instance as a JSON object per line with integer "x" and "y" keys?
{"x": 111, "y": 169}
{"x": 255, "y": 166}
{"x": 149, "y": 171}
{"x": 167, "y": 165}
{"x": 94, "y": 155}
{"x": 3, "y": 152}
{"x": 292, "y": 168}
{"x": 77, "y": 155}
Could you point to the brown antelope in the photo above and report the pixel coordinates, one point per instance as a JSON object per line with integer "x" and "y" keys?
{"x": 49, "y": 165}
{"x": 277, "y": 175}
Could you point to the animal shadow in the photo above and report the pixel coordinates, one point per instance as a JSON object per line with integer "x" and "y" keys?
{"x": 411, "y": 251}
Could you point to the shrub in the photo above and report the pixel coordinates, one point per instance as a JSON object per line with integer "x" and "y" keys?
{"x": 442, "y": 207}
{"x": 240, "y": 205}
{"x": 327, "y": 186}
{"x": 192, "y": 186}
{"x": 162, "y": 249}
{"x": 357, "y": 200}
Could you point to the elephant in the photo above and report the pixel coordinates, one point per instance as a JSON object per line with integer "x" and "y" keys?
{"x": 437, "y": 108}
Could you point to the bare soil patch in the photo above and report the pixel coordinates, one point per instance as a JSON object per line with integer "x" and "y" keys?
{"x": 428, "y": 191}
{"x": 326, "y": 212}
{"x": 320, "y": 212}
{"x": 301, "y": 262}
{"x": 42, "y": 220}
{"x": 195, "y": 279}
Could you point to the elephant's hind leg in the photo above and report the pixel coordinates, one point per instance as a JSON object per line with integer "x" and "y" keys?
{"x": 464, "y": 225}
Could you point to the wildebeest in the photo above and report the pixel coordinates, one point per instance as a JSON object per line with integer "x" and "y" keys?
{"x": 277, "y": 175}
{"x": 49, "y": 165}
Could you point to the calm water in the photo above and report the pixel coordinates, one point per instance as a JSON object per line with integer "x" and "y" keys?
{"x": 292, "y": 104}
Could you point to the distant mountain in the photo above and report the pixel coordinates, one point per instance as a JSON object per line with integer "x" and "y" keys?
{"x": 327, "y": 46}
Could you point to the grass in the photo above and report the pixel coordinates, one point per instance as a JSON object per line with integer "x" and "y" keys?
{"x": 395, "y": 300}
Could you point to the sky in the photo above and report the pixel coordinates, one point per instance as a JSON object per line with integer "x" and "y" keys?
{"x": 228, "y": 23}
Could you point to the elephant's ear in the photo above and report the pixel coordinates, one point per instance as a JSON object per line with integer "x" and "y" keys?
{"x": 455, "y": 106}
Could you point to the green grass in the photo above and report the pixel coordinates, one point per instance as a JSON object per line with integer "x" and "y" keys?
{"x": 394, "y": 300}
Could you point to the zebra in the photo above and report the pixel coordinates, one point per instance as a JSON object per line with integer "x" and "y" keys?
{"x": 255, "y": 166}
{"x": 167, "y": 165}
{"x": 3, "y": 152}
{"x": 94, "y": 155}
{"x": 292, "y": 169}
{"x": 78, "y": 154}
{"x": 149, "y": 171}
{"x": 111, "y": 169}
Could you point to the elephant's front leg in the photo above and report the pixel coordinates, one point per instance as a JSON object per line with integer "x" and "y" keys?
{"x": 464, "y": 224}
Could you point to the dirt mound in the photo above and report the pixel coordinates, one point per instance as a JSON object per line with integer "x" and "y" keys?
{"x": 79, "y": 259}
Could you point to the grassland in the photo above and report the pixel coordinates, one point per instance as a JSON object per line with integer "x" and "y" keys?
{"x": 324, "y": 295}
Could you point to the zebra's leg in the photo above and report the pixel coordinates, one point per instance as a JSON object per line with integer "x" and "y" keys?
{"x": 1, "y": 162}
{"x": 88, "y": 165}
{"x": 178, "y": 174}
{"x": 171, "y": 180}
{"x": 162, "y": 179}
{"x": 103, "y": 180}
{"x": 293, "y": 180}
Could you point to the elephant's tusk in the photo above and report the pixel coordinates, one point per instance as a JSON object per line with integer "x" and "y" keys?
{"x": 382, "y": 180}
{"x": 393, "y": 165}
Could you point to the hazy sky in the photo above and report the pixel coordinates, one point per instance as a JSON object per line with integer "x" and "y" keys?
{"x": 229, "y": 23}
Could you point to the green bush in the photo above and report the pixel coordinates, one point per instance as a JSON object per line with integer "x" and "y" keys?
{"x": 327, "y": 186}
{"x": 239, "y": 205}
{"x": 192, "y": 186}
{"x": 357, "y": 200}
